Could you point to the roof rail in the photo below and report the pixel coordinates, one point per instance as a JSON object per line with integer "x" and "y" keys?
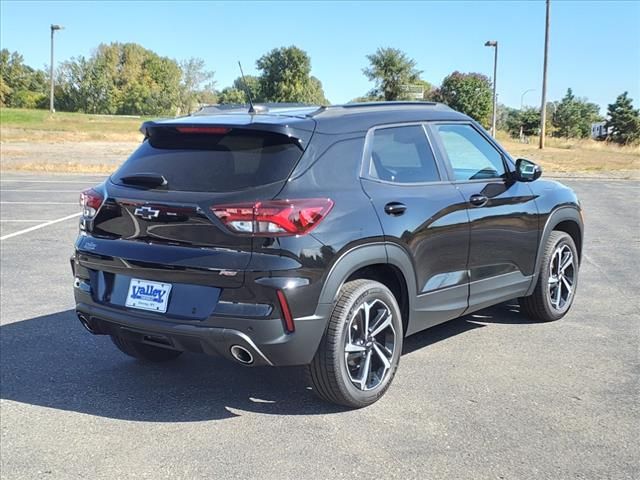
{"x": 395, "y": 103}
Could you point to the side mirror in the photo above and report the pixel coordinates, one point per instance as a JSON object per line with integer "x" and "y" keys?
{"x": 527, "y": 171}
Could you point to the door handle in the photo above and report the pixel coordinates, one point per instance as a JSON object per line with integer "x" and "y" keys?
{"x": 395, "y": 208}
{"x": 478, "y": 200}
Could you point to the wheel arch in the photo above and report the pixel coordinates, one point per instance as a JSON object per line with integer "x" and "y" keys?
{"x": 386, "y": 263}
{"x": 567, "y": 219}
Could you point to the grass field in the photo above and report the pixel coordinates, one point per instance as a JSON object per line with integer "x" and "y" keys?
{"x": 35, "y": 140}
{"x": 20, "y": 125}
{"x": 563, "y": 155}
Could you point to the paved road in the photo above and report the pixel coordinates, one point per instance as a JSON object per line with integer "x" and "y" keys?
{"x": 487, "y": 396}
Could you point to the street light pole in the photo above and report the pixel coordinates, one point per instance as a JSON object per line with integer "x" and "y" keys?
{"x": 53, "y": 29}
{"x": 522, "y": 108}
{"x": 494, "y": 44}
{"x": 543, "y": 107}
{"x": 522, "y": 97}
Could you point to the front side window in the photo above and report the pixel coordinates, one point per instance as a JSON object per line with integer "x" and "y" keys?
{"x": 471, "y": 156}
{"x": 402, "y": 155}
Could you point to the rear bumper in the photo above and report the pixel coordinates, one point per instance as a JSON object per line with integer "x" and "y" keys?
{"x": 265, "y": 339}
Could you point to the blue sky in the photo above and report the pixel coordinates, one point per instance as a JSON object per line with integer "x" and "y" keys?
{"x": 595, "y": 45}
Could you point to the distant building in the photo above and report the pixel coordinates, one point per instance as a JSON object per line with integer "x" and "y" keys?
{"x": 599, "y": 130}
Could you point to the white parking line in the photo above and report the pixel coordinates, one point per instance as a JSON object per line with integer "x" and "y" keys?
{"x": 23, "y": 221}
{"x": 39, "y": 203}
{"x": 38, "y": 191}
{"x": 53, "y": 181}
{"x": 42, "y": 225}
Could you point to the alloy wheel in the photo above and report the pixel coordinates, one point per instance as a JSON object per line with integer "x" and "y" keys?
{"x": 562, "y": 273}
{"x": 370, "y": 344}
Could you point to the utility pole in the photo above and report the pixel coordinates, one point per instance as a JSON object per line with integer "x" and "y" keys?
{"x": 543, "y": 107}
{"x": 53, "y": 29}
{"x": 494, "y": 44}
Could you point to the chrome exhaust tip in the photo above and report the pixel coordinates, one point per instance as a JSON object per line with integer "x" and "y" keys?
{"x": 241, "y": 355}
{"x": 85, "y": 323}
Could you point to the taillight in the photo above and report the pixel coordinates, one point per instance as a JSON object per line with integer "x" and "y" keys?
{"x": 274, "y": 217}
{"x": 90, "y": 201}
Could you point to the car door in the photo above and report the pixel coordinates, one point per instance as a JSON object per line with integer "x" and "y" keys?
{"x": 502, "y": 213}
{"x": 421, "y": 211}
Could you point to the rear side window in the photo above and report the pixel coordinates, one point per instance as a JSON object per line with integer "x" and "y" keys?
{"x": 471, "y": 156}
{"x": 214, "y": 162}
{"x": 402, "y": 155}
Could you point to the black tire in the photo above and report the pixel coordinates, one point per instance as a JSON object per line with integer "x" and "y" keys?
{"x": 539, "y": 305}
{"x": 142, "y": 351}
{"x": 330, "y": 373}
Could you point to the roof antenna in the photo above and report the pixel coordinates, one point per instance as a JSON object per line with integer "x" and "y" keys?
{"x": 251, "y": 109}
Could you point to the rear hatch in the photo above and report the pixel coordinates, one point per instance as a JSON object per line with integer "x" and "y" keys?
{"x": 156, "y": 212}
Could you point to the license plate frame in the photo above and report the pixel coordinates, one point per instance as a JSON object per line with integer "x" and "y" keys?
{"x": 148, "y": 295}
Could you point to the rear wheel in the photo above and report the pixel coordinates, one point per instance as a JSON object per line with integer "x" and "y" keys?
{"x": 142, "y": 351}
{"x": 360, "y": 351}
{"x": 557, "y": 281}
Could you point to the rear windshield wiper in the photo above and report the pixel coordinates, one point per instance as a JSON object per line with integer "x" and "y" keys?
{"x": 148, "y": 180}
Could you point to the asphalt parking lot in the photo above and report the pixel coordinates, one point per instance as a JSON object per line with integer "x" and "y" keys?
{"x": 487, "y": 396}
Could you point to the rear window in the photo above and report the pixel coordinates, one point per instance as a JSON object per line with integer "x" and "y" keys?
{"x": 205, "y": 162}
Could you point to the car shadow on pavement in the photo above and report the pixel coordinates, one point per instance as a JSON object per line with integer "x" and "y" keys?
{"x": 505, "y": 313}
{"x": 52, "y": 361}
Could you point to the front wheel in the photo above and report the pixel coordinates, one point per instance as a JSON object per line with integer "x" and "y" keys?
{"x": 360, "y": 351}
{"x": 557, "y": 281}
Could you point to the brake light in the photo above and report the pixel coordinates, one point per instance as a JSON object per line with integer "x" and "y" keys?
{"x": 274, "y": 217}
{"x": 204, "y": 130}
{"x": 90, "y": 201}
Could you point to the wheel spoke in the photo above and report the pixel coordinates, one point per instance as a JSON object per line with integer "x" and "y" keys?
{"x": 384, "y": 348}
{"x": 381, "y": 325}
{"x": 558, "y": 295}
{"x": 366, "y": 309}
{"x": 567, "y": 261}
{"x": 567, "y": 285}
{"x": 365, "y": 368}
{"x": 383, "y": 357}
{"x": 353, "y": 348}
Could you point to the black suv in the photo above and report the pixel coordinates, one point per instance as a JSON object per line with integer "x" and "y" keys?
{"x": 318, "y": 236}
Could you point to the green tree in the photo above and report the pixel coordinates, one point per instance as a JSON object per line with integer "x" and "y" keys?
{"x": 20, "y": 85}
{"x": 392, "y": 71}
{"x": 503, "y": 116}
{"x": 232, "y": 95}
{"x": 573, "y": 116}
{"x": 196, "y": 84}
{"x": 121, "y": 78}
{"x": 286, "y": 77}
{"x": 250, "y": 84}
{"x": 624, "y": 120}
{"x": 469, "y": 93}
{"x": 527, "y": 119}
{"x": 428, "y": 90}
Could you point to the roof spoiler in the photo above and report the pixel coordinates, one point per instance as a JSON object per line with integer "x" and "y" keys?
{"x": 181, "y": 126}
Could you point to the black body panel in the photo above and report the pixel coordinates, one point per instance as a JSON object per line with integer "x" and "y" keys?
{"x": 442, "y": 253}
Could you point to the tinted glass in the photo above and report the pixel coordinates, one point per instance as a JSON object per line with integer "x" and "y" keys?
{"x": 233, "y": 161}
{"x": 402, "y": 155}
{"x": 470, "y": 154}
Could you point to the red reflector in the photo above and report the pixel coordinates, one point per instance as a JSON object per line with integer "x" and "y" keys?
{"x": 274, "y": 217}
{"x": 289, "y": 326}
{"x": 204, "y": 130}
